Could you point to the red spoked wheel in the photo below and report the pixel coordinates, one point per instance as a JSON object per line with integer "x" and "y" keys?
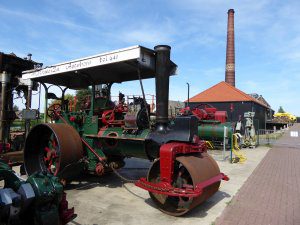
{"x": 54, "y": 111}
{"x": 51, "y": 155}
{"x": 108, "y": 116}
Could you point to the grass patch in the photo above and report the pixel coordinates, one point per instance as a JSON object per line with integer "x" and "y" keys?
{"x": 20, "y": 124}
{"x": 229, "y": 202}
{"x": 275, "y": 135}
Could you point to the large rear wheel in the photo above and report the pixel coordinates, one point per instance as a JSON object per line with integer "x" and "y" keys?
{"x": 51, "y": 148}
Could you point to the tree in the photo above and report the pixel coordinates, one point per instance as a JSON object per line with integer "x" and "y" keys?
{"x": 81, "y": 96}
{"x": 15, "y": 108}
{"x": 67, "y": 97}
{"x": 281, "y": 110}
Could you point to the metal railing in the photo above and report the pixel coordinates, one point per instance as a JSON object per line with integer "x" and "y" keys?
{"x": 223, "y": 152}
{"x": 269, "y": 137}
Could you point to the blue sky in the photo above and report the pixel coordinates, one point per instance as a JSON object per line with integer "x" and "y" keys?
{"x": 267, "y": 39}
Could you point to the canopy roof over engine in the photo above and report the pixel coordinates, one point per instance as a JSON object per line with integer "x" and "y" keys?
{"x": 110, "y": 67}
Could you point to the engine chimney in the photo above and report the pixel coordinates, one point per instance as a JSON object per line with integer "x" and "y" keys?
{"x": 162, "y": 84}
{"x": 230, "y": 55}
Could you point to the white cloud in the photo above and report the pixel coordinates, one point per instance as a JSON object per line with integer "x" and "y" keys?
{"x": 150, "y": 36}
{"x": 99, "y": 10}
{"x": 267, "y": 39}
{"x": 39, "y": 18}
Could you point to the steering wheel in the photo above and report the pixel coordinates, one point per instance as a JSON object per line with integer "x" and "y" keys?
{"x": 54, "y": 110}
{"x": 108, "y": 116}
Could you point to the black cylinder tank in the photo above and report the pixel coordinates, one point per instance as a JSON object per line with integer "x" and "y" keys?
{"x": 162, "y": 83}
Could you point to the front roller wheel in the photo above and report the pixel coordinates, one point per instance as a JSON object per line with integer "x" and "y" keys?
{"x": 188, "y": 170}
{"x": 51, "y": 148}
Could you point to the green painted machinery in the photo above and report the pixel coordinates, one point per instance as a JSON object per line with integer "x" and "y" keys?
{"x": 97, "y": 137}
{"x": 212, "y": 124}
{"x": 38, "y": 200}
{"x": 214, "y": 131}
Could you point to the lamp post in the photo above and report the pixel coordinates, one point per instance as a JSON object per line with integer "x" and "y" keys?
{"x": 188, "y": 101}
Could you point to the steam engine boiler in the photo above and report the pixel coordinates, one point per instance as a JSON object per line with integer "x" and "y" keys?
{"x": 98, "y": 137}
{"x": 11, "y": 67}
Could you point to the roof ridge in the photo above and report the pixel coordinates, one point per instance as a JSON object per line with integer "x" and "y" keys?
{"x": 212, "y": 94}
{"x": 239, "y": 91}
{"x": 203, "y": 91}
{"x": 210, "y": 88}
{"x": 245, "y": 94}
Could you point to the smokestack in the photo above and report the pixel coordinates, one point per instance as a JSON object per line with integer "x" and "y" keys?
{"x": 162, "y": 84}
{"x": 230, "y": 55}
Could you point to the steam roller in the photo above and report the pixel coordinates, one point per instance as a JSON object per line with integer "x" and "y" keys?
{"x": 96, "y": 138}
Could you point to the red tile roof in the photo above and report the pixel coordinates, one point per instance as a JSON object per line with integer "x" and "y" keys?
{"x": 224, "y": 92}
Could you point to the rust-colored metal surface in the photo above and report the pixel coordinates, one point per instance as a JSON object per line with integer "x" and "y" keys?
{"x": 13, "y": 158}
{"x": 230, "y": 54}
{"x": 52, "y": 147}
{"x": 188, "y": 170}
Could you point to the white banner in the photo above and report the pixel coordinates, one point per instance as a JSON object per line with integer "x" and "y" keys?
{"x": 89, "y": 62}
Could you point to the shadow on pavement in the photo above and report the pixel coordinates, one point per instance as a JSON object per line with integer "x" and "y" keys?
{"x": 110, "y": 180}
{"x": 201, "y": 210}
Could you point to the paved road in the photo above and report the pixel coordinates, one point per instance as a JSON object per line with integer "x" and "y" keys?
{"x": 271, "y": 195}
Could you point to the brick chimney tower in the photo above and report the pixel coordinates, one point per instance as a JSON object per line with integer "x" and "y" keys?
{"x": 230, "y": 56}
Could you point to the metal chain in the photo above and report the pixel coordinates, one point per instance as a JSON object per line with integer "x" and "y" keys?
{"x": 156, "y": 188}
{"x": 133, "y": 181}
{"x": 123, "y": 178}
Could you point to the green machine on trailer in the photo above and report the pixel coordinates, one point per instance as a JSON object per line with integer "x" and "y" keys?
{"x": 212, "y": 124}
{"x": 99, "y": 136}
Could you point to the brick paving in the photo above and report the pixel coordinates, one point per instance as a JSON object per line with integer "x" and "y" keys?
{"x": 271, "y": 195}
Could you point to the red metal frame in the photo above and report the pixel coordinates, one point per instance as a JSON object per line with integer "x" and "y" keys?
{"x": 187, "y": 190}
{"x": 168, "y": 153}
{"x": 66, "y": 213}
